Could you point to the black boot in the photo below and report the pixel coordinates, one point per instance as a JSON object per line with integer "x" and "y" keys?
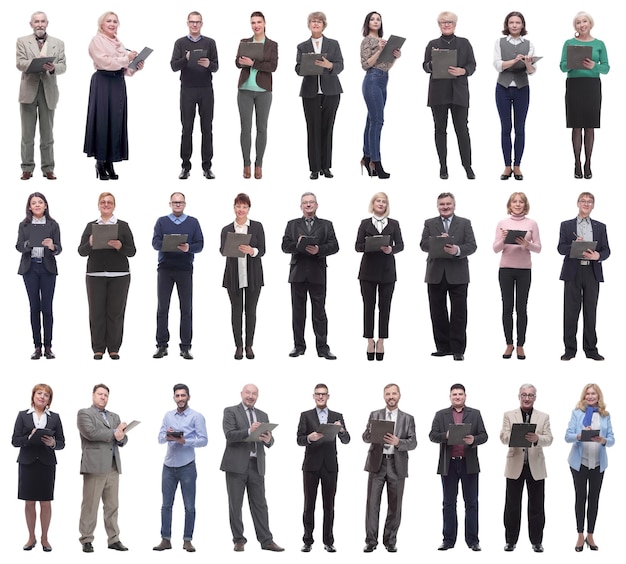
{"x": 377, "y": 168}
{"x": 108, "y": 166}
{"x": 101, "y": 171}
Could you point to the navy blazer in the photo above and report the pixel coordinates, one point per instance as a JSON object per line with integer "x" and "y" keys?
{"x": 377, "y": 266}
{"x": 254, "y": 264}
{"x": 31, "y": 450}
{"x": 25, "y": 247}
{"x": 328, "y": 80}
{"x": 320, "y": 453}
{"x": 566, "y": 236}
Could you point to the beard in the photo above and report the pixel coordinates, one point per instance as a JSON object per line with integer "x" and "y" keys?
{"x": 40, "y": 32}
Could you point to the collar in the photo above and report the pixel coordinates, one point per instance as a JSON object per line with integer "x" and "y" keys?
{"x": 194, "y": 40}
{"x": 246, "y": 223}
{"x": 182, "y": 217}
{"x": 111, "y": 221}
{"x": 32, "y": 410}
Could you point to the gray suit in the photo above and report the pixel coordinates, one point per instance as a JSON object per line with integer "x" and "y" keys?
{"x": 389, "y": 469}
{"x": 245, "y": 471}
{"x": 100, "y": 466}
{"x": 38, "y": 96}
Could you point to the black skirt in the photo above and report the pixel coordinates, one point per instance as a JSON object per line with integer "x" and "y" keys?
{"x": 106, "y": 133}
{"x": 583, "y": 98}
{"x": 36, "y": 481}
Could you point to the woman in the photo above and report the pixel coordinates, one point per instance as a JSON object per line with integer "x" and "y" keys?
{"x": 38, "y": 267}
{"x": 588, "y": 459}
{"x": 374, "y": 91}
{"x": 106, "y": 134}
{"x": 583, "y": 91}
{"x": 255, "y": 94}
{"x": 378, "y": 271}
{"x": 515, "y": 265}
{"x": 513, "y": 59}
{"x": 243, "y": 276}
{"x": 37, "y": 460}
{"x": 108, "y": 280}
{"x": 320, "y": 95}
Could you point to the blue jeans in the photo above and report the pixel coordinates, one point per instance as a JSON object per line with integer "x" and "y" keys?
{"x": 40, "y": 286}
{"x": 186, "y": 476}
{"x": 375, "y": 94}
{"x": 458, "y": 472}
{"x": 516, "y": 99}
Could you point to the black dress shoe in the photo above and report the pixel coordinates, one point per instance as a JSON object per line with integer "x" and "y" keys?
{"x": 47, "y": 352}
{"x": 239, "y": 547}
{"x": 329, "y": 548}
{"x": 51, "y": 176}
{"x": 445, "y": 546}
{"x": 591, "y": 546}
{"x": 568, "y": 356}
{"x": 108, "y": 166}
{"x": 538, "y": 547}
{"x": 326, "y": 354}
{"x": 98, "y": 356}
{"x": 47, "y": 548}
{"x": 118, "y": 546}
{"x": 380, "y": 355}
{"x": 186, "y": 354}
{"x": 249, "y": 353}
{"x": 160, "y": 352}
{"x": 579, "y": 548}
{"x": 296, "y": 352}
{"x": 184, "y": 174}
{"x": 475, "y": 547}
{"x": 441, "y": 353}
{"x": 391, "y": 548}
{"x": 369, "y": 548}
{"x": 314, "y": 175}
{"x": 306, "y": 548}
{"x": 87, "y": 547}
{"x": 470, "y": 173}
{"x": 273, "y": 547}
{"x": 509, "y": 547}
{"x": 594, "y": 355}
{"x": 36, "y": 355}
{"x": 208, "y": 174}
{"x": 458, "y": 356}
{"x": 443, "y": 172}
{"x": 326, "y": 172}
{"x": 238, "y": 353}
{"x": 30, "y": 546}
{"x": 114, "y": 356}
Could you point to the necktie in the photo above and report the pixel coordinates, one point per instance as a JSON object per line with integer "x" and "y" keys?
{"x": 386, "y": 446}
{"x": 309, "y": 224}
{"x": 252, "y": 444}
{"x": 446, "y": 224}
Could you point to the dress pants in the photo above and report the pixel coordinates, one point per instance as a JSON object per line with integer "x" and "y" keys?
{"x": 171, "y": 477}
{"x": 96, "y": 487}
{"x": 395, "y": 489}
{"x": 514, "y": 286}
{"x": 450, "y": 483}
{"x": 320, "y": 113}
{"x": 202, "y": 97}
{"x": 583, "y": 291}
{"x": 317, "y": 293}
{"x": 254, "y": 483}
{"x": 385, "y": 293}
{"x": 516, "y": 100}
{"x": 311, "y": 481}
{"x": 40, "y": 286}
{"x": 513, "y": 507}
{"x": 243, "y": 299}
{"x": 29, "y": 113}
{"x": 448, "y": 331}
{"x": 107, "y": 305}
{"x": 587, "y": 485}
{"x": 459, "y": 119}
{"x": 250, "y": 101}
{"x": 166, "y": 278}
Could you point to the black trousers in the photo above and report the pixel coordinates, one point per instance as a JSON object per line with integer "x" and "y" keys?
{"x": 183, "y": 279}
{"x": 320, "y": 113}
{"x": 202, "y": 98}
{"x": 514, "y": 286}
{"x": 311, "y": 481}
{"x": 448, "y": 330}
{"x": 582, "y": 292}
{"x": 459, "y": 119}
{"x": 513, "y": 507}
{"x": 587, "y": 485}
{"x": 317, "y": 293}
{"x": 243, "y": 299}
{"x": 107, "y": 306}
{"x": 385, "y": 293}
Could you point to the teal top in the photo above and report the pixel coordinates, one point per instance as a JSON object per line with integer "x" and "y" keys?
{"x": 598, "y": 55}
{"x": 250, "y": 83}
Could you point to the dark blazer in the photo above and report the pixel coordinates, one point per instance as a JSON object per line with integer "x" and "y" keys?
{"x": 97, "y": 441}
{"x": 109, "y": 260}
{"x": 254, "y": 264}
{"x": 456, "y": 269}
{"x": 566, "y": 236}
{"x": 31, "y": 450}
{"x": 305, "y": 267}
{"x": 377, "y": 266}
{"x": 328, "y": 79}
{"x": 265, "y": 67}
{"x": 319, "y": 453}
{"x": 237, "y": 454}
{"x": 405, "y": 431}
{"x": 442, "y": 420}
{"x": 25, "y": 247}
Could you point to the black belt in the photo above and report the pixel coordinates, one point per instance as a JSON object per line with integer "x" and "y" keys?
{"x": 457, "y": 457}
{"x": 388, "y": 455}
{"x": 38, "y": 260}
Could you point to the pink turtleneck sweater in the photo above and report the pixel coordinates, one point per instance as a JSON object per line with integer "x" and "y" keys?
{"x": 517, "y": 256}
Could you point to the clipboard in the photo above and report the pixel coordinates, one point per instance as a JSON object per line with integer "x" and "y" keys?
{"x": 251, "y": 50}
{"x": 145, "y": 53}
{"x": 308, "y": 66}
{"x": 375, "y": 242}
{"x": 579, "y": 247}
{"x": 329, "y": 430}
{"x": 379, "y": 428}
{"x": 436, "y": 245}
{"x": 518, "y": 434}
{"x": 587, "y": 434}
{"x": 39, "y": 433}
{"x": 456, "y": 433}
{"x": 233, "y": 240}
{"x": 39, "y": 232}
{"x": 441, "y": 59}
{"x": 394, "y": 42}
{"x": 101, "y": 234}
{"x": 196, "y": 55}
{"x": 174, "y": 434}
{"x": 304, "y": 241}
{"x": 131, "y": 425}
{"x": 576, "y": 54}
{"x": 514, "y": 234}
{"x": 171, "y": 242}
{"x": 254, "y": 436}
{"x": 36, "y": 64}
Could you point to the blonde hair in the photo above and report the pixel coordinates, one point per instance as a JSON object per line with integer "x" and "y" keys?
{"x": 522, "y": 197}
{"x": 374, "y": 198}
{"x": 582, "y": 404}
{"x": 104, "y": 17}
{"x": 583, "y": 15}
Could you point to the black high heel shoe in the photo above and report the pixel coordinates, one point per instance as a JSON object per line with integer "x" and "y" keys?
{"x": 365, "y": 164}
{"x": 591, "y": 546}
{"x": 377, "y": 169}
{"x": 587, "y": 173}
{"x": 108, "y": 166}
{"x": 101, "y": 171}
{"x": 505, "y": 176}
{"x": 578, "y": 172}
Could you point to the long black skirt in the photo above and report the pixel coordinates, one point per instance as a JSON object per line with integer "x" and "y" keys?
{"x": 106, "y": 133}
{"x": 583, "y": 99}
{"x": 36, "y": 481}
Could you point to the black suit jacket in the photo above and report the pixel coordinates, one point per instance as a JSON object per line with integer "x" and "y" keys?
{"x": 237, "y": 454}
{"x": 442, "y": 420}
{"x": 255, "y": 267}
{"x": 566, "y": 236}
{"x": 328, "y": 79}
{"x": 456, "y": 269}
{"x": 320, "y": 453}
{"x": 305, "y": 267}
{"x": 405, "y": 431}
{"x": 31, "y": 450}
{"x": 377, "y": 266}
{"x": 25, "y": 246}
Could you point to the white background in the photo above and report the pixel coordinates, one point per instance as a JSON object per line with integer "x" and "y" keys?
{"x": 141, "y": 387}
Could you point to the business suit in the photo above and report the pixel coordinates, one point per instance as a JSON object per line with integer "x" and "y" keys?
{"x": 464, "y": 468}
{"x": 319, "y": 465}
{"x": 38, "y": 98}
{"x": 525, "y": 466}
{"x": 449, "y": 276}
{"x": 320, "y": 99}
{"x": 378, "y": 272}
{"x": 245, "y": 472}
{"x": 582, "y": 286}
{"x": 100, "y": 465}
{"x": 387, "y": 469}
{"x": 307, "y": 275}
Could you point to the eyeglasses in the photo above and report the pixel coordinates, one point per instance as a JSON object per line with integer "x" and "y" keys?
{"x": 447, "y": 22}
{"x": 194, "y": 22}
{"x": 586, "y": 202}
{"x": 527, "y": 396}
{"x": 320, "y": 394}
{"x": 177, "y": 203}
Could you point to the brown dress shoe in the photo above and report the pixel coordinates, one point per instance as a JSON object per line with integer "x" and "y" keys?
{"x": 49, "y": 175}
{"x": 188, "y": 546}
{"x": 26, "y": 175}
{"x": 239, "y": 547}
{"x": 273, "y": 547}
{"x": 246, "y": 171}
{"x": 165, "y": 544}
{"x": 258, "y": 172}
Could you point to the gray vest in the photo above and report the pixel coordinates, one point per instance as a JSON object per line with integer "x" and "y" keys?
{"x": 518, "y": 71}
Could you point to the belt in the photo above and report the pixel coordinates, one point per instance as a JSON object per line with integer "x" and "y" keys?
{"x": 388, "y": 455}
{"x": 38, "y": 260}
{"x": 585, "y": 262}
{"x": 457, "y": 457}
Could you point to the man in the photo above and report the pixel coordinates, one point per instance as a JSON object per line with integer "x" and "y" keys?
{"x": 195, "y": 56}
{"x": 459, "y": 462}
{"x": 448, "y": 277}
{"x": 39, "y": 94}
{"x": 244, "y": 464}
{"x": 101, "y": 435}
{"x": 320, "y": 465}
{"x": 582, "y": 277}
{"x": 387, "y": 463}
{"x": 525, "y": 465}
{"x": 176, "y": 267}
{"x": 183, "y": 430}
{"x": 307, "y": 273}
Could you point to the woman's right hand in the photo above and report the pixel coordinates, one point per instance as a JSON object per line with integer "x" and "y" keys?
{"x": 246, "y": 61}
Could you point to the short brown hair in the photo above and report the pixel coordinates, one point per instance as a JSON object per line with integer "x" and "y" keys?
{"x": 242, "y": 198}
{"x": 43, "y": 387}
